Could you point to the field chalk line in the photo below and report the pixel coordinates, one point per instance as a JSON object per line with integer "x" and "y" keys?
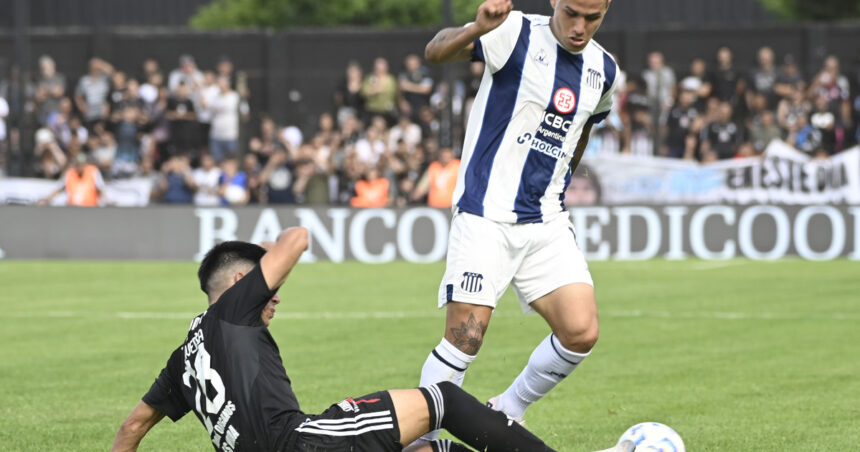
{"x": 704, "y": 315}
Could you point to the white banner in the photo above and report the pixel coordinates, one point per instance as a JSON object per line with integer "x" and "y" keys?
{"x": 782, "y": 175}
{"x": 123, "y": 193}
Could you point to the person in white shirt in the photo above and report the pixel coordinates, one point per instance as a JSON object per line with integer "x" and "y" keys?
{"x": 224, "y": 134}
{"x": 207, "y": 178}
{"x": 545, "y": 83}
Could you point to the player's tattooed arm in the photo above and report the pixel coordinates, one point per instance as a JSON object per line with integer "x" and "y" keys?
{"x": 456, "y": 44}
{"x": 452, "y": 44}
{"x": 469, "y": 336}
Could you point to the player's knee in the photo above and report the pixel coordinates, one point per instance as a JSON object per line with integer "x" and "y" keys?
{"x": 579, "y": 337}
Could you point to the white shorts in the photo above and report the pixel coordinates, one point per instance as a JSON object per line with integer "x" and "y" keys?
{"x": 485, "y": 256}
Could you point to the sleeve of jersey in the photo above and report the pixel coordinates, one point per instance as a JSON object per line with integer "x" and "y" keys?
{"x": 495, "y": 47}
{"x": 165, "y": 395}
{"x": 605, "y": 104}
{"x": 242, "y": 303}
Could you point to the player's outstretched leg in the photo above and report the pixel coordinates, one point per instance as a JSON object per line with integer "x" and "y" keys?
{"x": 465, "y": 326}
{"x": 474, "y": 423}
{"x": 572, "y": 314}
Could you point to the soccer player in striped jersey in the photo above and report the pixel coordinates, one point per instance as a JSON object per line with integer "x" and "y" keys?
{"x": 545, "y": 83}
{"x": 229, "y": 372}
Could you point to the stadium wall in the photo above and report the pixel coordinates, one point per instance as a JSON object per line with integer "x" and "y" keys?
{"x": 635, "y": 232}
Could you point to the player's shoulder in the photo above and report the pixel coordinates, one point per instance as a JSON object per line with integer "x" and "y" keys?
{"x": 597, "y": 49}
{"x": 536, "y": 20}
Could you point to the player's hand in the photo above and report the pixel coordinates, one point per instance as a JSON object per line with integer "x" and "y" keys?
{"x": 492, "y": 13}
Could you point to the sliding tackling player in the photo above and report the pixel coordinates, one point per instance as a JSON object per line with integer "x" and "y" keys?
{"x": 229, "y": 372}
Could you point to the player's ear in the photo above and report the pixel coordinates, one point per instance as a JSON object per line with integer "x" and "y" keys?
{"x": 552, "y": 3}
{"x": 237, "y": 277}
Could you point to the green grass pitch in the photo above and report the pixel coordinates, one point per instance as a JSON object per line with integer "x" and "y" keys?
{"x": 736, "y": 356}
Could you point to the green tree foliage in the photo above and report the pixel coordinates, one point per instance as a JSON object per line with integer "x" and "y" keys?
{"x": 814, "y": 9}
{"x": 327, "y": 13}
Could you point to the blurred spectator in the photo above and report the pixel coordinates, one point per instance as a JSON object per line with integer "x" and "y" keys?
{"x": 207, "y": 179}
{"x": 186, "y": 74}
{"x": 183, "y": 125}
{"x": 224, "y": 136}
{"x": 276, "y": 179}
{"x": 680, "y": 126}
{"x": 149, "y": 90}
{"x": 119, "y": 82}
{"x": 637, "y": 119}
{"x": 176, "y": 185}
{"x": 50, "y": 157}
{"x": 698, "y": 82}
{"x": 792, "y": 107}
{"x": 82, "y": 183}
{"x": 4, "y": 113}
{"x": 50, "y": 88}
{"x": 415, "y": 86}
{"x": 762, "y": 79}
{"x": 379, "y": 90}
{"x": 439, "y": 181}
{"x": 203, "y": 97}
{"x": 788, "y": 77}
{"x": 91, "y": 94}
{"x": 369, "y": 148}
{"x": 405, "y": 130}
{"x": 127, "y": 133}
{"x": 348, "y": 98}
{"x": 102, "y": 147}
{"x": 234, "y": 183}
{"x": 19, "y": 94}
{"x": 660, "y": 82}
{"x": 721, "y": 138}
{"x": 764, "y": 131}
{"x": 265, "y": 145}
{"x": 726, "y": 80}
{"x": 824, "y": 124}
{"x": 371, "y": 191}
{"x": 251, "y": 168}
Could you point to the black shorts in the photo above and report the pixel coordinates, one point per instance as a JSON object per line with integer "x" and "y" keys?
{"x": 361, "y": 424}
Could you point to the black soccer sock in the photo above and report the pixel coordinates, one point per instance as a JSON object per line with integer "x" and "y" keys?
{"x": 476, "y": 424}
{"x": 446, "y": 445}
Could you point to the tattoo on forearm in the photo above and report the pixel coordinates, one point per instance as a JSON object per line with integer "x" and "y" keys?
{"x": 446, "y": 35}
{"x": 469, "y": 337}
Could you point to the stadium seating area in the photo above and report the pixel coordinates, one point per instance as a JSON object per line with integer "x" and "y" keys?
{"x": 191, "y": 131}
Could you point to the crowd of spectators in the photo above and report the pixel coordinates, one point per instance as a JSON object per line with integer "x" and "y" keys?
{"x": 716, "y": 112}
{"x": 379, "y": 145}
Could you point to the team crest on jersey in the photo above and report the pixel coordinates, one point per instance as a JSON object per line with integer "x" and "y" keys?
{"x": 472, "y": 282}
{"x": 564, "y": 100}
{"x": 540, "y": 57}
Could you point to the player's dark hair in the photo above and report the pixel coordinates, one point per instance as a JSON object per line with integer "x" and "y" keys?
{"x": 225, "y": 254}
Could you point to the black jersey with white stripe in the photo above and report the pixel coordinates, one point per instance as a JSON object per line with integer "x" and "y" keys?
{"x": 229, "y": 372}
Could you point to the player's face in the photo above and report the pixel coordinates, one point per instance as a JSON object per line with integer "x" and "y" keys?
{"x": 269, "y": 311}
{"x": 574, "y": 22}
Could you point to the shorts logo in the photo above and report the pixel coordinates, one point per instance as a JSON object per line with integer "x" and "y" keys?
{"x": 564, "y": 100}
{"x": 472, "y": 282}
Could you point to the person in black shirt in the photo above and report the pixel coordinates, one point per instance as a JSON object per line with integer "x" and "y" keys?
{"x": 230, "y": 373}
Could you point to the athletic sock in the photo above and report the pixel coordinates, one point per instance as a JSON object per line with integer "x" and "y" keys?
{"x": 474, "y": 423}
{"x": 445, "y": 363}
{"x": 446, "y": 445}
{"x": 549, "y": 364}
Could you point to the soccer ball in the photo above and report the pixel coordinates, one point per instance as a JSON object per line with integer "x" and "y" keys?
{"x": 654, "y": 437}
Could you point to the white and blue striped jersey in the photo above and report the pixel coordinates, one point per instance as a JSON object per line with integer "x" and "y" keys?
{"x": 529, "y": 113}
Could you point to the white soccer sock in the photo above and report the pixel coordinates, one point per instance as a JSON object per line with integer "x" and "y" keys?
{"x": 445, "y": 363}
{"x": 549, "y": 364}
